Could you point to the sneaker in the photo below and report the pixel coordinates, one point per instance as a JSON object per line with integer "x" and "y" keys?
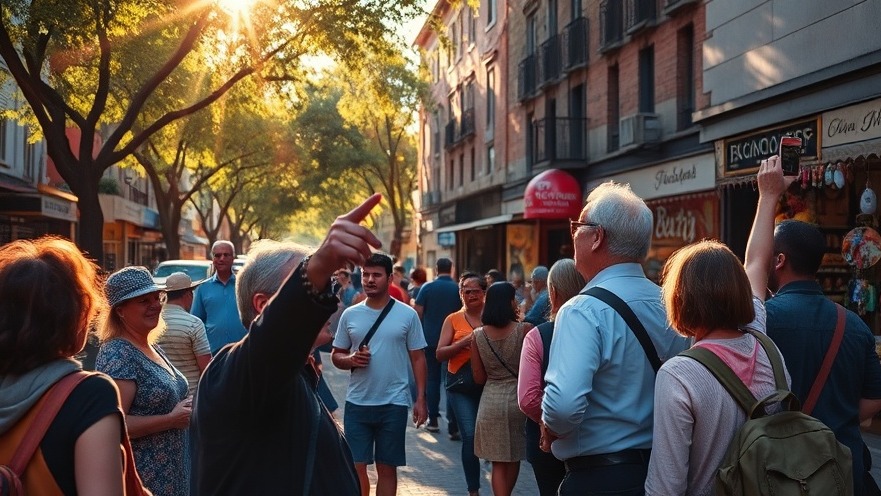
{"x": 454, "y": 436}
{"x": 432, "y": 426}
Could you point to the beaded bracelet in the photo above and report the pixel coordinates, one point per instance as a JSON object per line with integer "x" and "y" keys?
{"x": 325, "y": 297}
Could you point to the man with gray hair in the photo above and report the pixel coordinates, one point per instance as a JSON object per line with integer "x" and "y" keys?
{"x": 599, "y": 399}
{"x": 215, "y": 300}
{"x": 258, "y": 426}
{"x": 540, "y": 310}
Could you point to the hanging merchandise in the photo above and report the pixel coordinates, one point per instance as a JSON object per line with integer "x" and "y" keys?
{"x": 861, "y": 247}
{"x": 868, "y": 200}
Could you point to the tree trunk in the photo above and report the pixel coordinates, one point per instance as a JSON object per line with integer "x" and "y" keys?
{"x": 91, "y": 229}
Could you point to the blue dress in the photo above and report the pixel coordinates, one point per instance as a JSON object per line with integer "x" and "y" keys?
{"x": 162, "y": 458}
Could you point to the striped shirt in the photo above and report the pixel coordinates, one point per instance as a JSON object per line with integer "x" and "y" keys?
{"x": 183, "y": 341}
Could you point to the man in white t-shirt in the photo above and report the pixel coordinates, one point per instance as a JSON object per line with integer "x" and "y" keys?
{"x": 378, "y": 397}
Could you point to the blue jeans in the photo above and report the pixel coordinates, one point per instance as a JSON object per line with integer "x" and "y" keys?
{"x": 465, "y": 407}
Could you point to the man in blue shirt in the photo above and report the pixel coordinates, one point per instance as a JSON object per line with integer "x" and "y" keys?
{"x": 599, "y": 400}
{"x": 541, "y": 308}
{"x": 436, "y": 300}
{"x": 801, "y": 321}
{"x": 215, "y": 300}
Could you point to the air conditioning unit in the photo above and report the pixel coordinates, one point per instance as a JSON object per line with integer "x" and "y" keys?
{"x": 639, "y": 129}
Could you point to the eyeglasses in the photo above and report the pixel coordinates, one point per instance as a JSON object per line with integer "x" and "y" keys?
{"x": 467, "y": 292}
{"x": 575, "y": 225}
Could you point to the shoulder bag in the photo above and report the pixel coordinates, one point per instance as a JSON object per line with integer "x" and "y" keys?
{"x": 633, "y": 323}
{"x": 496, "y": 353}
{"x": 462, "y": 381}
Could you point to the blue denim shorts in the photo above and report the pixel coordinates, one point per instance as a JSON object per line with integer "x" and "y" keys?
{"x": 376, "y": 430}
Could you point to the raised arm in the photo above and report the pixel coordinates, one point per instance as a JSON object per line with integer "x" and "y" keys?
{"x": 760, "y": 246}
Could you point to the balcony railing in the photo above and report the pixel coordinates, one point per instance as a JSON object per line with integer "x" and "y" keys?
{"x": 458, "y": 129}
{"x": 575, "y": 43}
{"x": 611, "y": 24}
{"x": 137, "y": 196}
{"x": 467, "y": 123}
{"x": 551, "y": 66}
{"x": 673, "y": 6}
{"x": 639, "y": 14}
{"x": 560, "y": 139}
{"x": 450, "y": 133}
{"x": 527, "y": 77}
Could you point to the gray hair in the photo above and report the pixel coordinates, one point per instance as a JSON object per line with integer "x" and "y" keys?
{"x": 269, "y": 262}
{"x": 222, "y": 242}
{"x": 625, "y": 218}
{"x": 564, "y": 282}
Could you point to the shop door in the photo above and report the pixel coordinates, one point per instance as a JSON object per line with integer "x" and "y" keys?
{"x": 478, "y": 251}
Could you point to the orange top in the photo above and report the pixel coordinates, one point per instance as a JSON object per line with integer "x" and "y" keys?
{"x": 461, "y": 328}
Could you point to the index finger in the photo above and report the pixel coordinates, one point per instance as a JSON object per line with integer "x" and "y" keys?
{"x": 360, "y": 212}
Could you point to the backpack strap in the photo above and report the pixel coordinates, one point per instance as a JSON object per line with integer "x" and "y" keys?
{"x": 636, "y": 327}
{"x": 375, "y": 326}
{"x": 726, "y": 377}
{"x": 753, "y": 407}
{"x": 828, "y": 360}
{"x": 55, "y": 398}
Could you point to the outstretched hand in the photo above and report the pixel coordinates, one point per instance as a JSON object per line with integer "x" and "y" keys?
{"x": 347, "y": 242}
{"x": 772, "y": 182}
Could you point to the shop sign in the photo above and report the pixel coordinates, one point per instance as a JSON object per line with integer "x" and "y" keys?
{"x": 681, "y": 221}
{"x": 553, "y": 194}
{"x": 672, "y": 178}
{"x": 58, "y": 208}
{"x": 446, "y": 239}
{"x": 743, "y": 154}
{"x": 150, "y": 218}
{"x": 852, "y": 124}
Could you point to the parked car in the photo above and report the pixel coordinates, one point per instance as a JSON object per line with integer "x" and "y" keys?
{"x": 238, "y": 263}
{"x": 196, "y": 269}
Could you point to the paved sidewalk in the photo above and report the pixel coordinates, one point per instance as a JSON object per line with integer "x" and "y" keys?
{"x": 433, "y": 461}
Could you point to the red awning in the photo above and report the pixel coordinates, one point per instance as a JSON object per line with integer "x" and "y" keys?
{"x": 553, "y": 194}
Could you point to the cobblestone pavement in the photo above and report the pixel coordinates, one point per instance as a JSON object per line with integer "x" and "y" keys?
{"x": 434, "y": 465}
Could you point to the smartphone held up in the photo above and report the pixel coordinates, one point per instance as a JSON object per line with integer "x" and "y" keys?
{"x": 790, "y": 155}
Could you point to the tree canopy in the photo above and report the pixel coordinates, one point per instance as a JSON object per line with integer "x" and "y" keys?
{"x": 122, "y": 71}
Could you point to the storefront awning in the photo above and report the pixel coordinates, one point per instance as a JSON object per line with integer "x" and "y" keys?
{"x": 852, "y": 150}
{"x": 489, "y": 221}
{"x": 553, "y": 194}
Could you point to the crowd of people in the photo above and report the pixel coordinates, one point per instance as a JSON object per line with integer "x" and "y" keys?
{"x": 215, "y": 387}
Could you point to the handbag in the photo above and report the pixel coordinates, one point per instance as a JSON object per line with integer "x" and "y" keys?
{"x": 462, "y": 381}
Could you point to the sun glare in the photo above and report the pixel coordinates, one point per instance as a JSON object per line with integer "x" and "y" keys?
{"x": 236, "y": 7}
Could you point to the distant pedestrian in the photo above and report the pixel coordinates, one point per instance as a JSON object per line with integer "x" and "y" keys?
{"x": 436, "y": 300}
{"x": 378, "y": 398}
{"x": 184, "y": 341}
{"x": 495, "y": 357}
{"x": 454, "y": 348}
{"x": 418, "y": 277}
{"x": 564, "y": 282}
{"x": 539, "y": 305}
{"x": 493, "y": 276}
{"x": 215, "y": 300}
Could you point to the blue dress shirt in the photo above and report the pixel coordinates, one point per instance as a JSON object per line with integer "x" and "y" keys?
{"x": 215, "y": 303}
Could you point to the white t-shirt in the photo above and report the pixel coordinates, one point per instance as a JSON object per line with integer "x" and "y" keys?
{"x": 385, "y": 381}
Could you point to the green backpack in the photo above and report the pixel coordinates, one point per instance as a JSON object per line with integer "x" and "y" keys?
{"x": 785, "y": 453}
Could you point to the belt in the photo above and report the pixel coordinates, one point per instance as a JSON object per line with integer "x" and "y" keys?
{"x": 631, "y": 456}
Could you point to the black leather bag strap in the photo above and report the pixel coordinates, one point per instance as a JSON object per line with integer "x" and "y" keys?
{"x": 372, "y": 331}
{"x": 636, "y": 327}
